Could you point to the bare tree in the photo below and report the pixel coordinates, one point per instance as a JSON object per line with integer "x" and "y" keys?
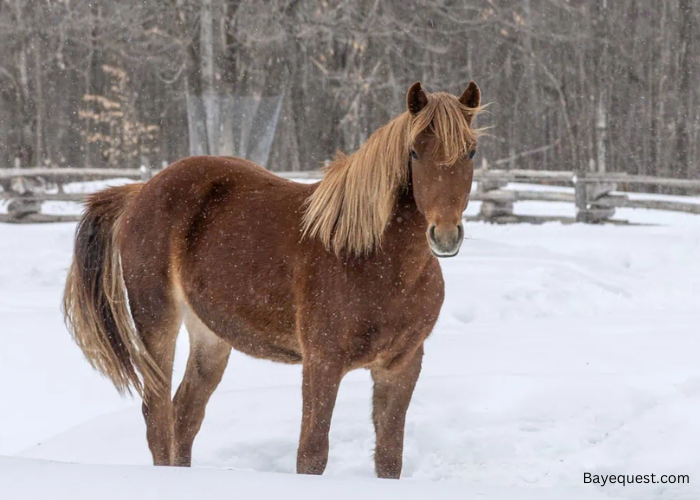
{"x": 578, "y": 85}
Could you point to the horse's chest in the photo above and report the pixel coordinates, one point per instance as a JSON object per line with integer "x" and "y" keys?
{"x": 392, "y": 325}
{"x": 369, "y": 313}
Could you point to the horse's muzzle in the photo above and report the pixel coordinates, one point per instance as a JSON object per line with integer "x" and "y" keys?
{"x": 445, "y": 240}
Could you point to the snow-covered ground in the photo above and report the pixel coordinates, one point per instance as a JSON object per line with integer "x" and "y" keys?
{"x": 561, "y": 349}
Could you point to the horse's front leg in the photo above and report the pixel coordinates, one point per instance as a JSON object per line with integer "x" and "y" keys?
{"x": 321, "y": 379}
{"x": 393, "y": 389}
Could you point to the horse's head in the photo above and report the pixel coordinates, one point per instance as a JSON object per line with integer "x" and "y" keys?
{"x": 442, "y": 162}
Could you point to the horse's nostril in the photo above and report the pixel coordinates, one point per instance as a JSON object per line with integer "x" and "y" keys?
{"x": 460, "y": 232}
{"x": 431, "y": 232}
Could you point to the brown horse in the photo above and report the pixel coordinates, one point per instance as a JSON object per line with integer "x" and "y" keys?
{"x": 336, "y": 275}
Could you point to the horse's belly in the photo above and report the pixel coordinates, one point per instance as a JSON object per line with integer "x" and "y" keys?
{"x": 273, "y": 344}
{"x": 249, "y": 324}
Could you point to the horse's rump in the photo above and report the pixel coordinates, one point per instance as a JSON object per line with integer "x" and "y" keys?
{"x": 95, "y": 303}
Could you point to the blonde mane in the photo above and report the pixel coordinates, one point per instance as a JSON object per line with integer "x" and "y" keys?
{"x": 351, "y": 208}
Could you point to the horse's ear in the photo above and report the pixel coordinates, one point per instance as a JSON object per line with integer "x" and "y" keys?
{"x": 416, "y": 99}
{"x": 471, "y": 97}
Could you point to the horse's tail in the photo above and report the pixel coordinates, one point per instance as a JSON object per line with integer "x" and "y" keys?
{"x": 95, "y": 301}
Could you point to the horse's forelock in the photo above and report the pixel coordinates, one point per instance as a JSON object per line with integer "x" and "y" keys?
{"x": 450, "y": 122}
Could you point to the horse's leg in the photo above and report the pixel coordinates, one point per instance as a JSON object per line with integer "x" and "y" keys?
{"x": 205, "y": 367}
{"x": 157, "y": 318}
{"x": 393, "y": 389}
{"x": 321, "y": 379}
{"x": 159, "y": 338}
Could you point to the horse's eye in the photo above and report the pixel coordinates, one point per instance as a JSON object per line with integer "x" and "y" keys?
{"x": 414, "y": 155}
{"x": 471, "y": 154}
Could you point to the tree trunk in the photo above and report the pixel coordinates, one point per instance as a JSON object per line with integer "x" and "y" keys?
{"x": 683, "y": 147}
{"x": 602, "y": 69}
{"x": 39, "y": 100}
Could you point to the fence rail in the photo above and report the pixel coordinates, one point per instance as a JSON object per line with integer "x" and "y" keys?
{"x": 65, "y": 175}
{"x": 596, "y": 196}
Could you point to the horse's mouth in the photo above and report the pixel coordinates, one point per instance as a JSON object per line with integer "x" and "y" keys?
{"x": 440, "y": 254}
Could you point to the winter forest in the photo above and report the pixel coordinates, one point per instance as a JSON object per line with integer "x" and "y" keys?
{"x": 598, "y": 85}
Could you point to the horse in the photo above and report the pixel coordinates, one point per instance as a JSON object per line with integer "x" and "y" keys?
{"x": 338, "y": 275}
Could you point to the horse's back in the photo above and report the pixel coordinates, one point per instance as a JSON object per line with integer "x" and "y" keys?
{"x": 193, "y": 194}
{"x": 220, "y": 234}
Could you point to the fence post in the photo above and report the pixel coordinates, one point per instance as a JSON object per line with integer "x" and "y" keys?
{"x": 491, "y": 210}
{"x": 146, "y": 172}
{"x": 581, "y": 198}
{"x": 24, "y": 203}
{"x": 586, "y": 195}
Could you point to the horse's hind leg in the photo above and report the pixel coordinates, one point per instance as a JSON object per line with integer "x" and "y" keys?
{"x": 205, "y": 368}
{"x": 159, "y": 338}
{"x": 157, "y": 318}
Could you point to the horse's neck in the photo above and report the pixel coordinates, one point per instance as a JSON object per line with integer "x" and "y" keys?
{"x": 405, "y": 234}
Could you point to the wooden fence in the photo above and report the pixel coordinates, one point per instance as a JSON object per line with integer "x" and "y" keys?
{"x": 595, "y": 196}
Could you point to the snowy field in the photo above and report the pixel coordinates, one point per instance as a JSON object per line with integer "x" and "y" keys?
{"x": 561, "y": 349}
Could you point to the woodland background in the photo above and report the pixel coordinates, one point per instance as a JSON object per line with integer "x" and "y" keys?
{"x": 599, "y": 85}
